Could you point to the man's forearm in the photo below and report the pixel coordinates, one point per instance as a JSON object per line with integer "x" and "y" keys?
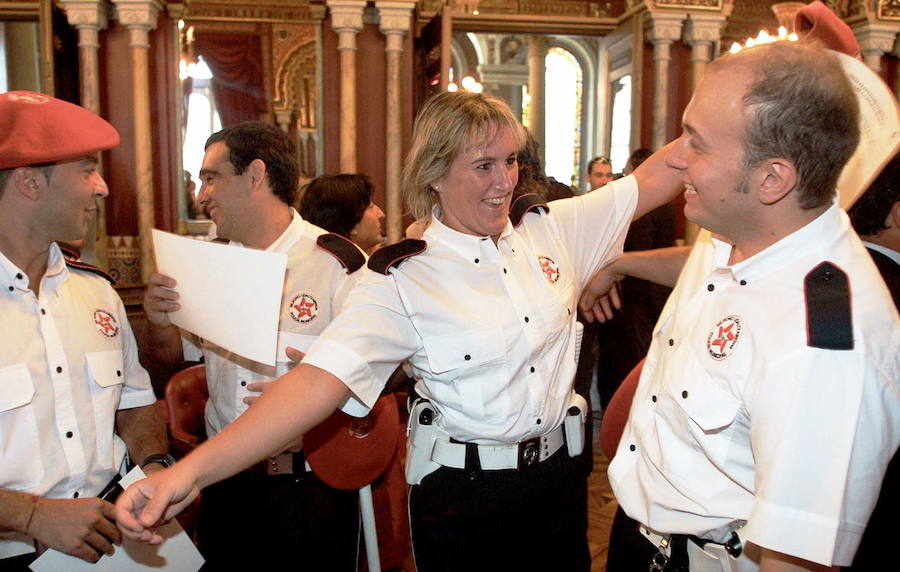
{"x": 143, "y": 430}
{"x": 16, "y": 509}
{"x": 160, "y": 347}
{"x": 661, "y": 265}
{"x": 772, "y": 561}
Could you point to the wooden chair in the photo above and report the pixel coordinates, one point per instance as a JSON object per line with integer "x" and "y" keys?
{"x": 185, "y": 400}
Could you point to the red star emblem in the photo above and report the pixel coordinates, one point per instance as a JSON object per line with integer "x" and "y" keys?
{"x": 549, "y": 268}
{"x": 304, "y": 308}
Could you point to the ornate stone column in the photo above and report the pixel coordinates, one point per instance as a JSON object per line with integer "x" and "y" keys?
{"x": 702, "y": 32}
{"x": 537, "y": 56}
{"x": 661, "y": 30}
{"x": 395, "y": 23}
{"x": 347, "y": 21}
{"x": 139, "y": 16}
{"x": 875, "y": 39}
{"x": 89, "y": 17}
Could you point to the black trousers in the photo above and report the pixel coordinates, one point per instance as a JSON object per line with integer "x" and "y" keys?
{"x": 17, "y": 563}
{"x": 473, "y": 520}
{"x": 630, "y": 551}
{"x": 265, "y": 522}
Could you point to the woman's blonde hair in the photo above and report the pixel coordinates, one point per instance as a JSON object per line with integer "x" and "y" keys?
{"x": 446, "y": 125}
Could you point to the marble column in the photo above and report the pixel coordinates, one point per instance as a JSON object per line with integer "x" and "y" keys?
{"x": 140, "y": 16}
{"x": 395, "y": 23}
{"x": 89, "y": 17}
{"x": 702, "y": 33}
{"x": 875, "y": 39}
{"x": 347, "y": 21}
{"x": 662, "y": 30}
{"x": 537, "y": 57}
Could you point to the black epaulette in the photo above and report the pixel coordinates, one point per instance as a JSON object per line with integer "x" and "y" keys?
{"x": 525, "y": 204}
{"x": 343, "y": 249}
{"x": 829, "y": 324}
{"x": 84, "y": 266}
{"x": 392, "y": 256}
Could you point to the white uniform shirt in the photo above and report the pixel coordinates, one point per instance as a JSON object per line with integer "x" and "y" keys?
{"x": 68, "y": 362}
{"x": 314, "y": 286}
{"x": 488, "y": 330}
{"x": 737, "y": 419}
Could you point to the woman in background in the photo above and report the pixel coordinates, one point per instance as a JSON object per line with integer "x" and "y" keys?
{"x": 343, "y": 204}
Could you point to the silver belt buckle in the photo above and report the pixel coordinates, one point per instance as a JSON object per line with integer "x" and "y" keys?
{"x": 529, "y": 453}
{"x": 282, "y": 464}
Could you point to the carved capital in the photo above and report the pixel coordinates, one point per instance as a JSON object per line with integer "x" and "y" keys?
{"x": 395, "y": 15}
{"x": 176, "y": 10}
{"x": 86, "y": 13}
{"x": 663, "y": 27}
{"x": 140, "y": 14}
{"x": 703, "y": 28}
{"x": 346, "y": 15}
{"x": 876, "y": 38}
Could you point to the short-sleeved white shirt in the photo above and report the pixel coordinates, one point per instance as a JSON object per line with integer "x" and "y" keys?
{"x": 737, "y": 419}
{"x": 488, "y": 330}
{"x": 315, "y": 284}
{"x": 68, "y": 362}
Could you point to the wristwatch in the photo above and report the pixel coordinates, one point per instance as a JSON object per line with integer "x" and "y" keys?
{"x": 163, "y": 459}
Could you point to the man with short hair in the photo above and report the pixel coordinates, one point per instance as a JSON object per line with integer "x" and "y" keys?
{"x": 278, "y": 511}
{"x": 767, "y": 409}
{"x": 73, "y": 396}
{"x": 599, "y": 172}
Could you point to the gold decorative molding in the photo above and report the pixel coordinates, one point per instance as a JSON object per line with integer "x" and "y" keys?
{"x": 689, "y": 4}
{"x": 273, "y": 11}
{"x": 889, "y": 10}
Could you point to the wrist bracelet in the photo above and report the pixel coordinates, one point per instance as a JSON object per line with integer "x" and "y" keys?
{"x": 163, "y": 459}
{"x": 34, "y": 500}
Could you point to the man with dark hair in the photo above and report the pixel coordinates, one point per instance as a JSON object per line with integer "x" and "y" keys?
{"x": 599, "y": 172}
{"x": 767, "y": 410}
{"x": 277, "y": 511}
{"x": 73, "y": 397}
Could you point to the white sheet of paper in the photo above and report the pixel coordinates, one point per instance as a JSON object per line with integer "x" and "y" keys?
{"x": 229, "y": 296}
{"x": 176, "y": 553}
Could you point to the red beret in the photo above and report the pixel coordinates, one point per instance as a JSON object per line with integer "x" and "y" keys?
{"x": 36, "y": 128}
{"x": 816, "y": 20}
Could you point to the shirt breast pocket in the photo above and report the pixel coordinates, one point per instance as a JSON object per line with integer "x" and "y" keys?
{"x": 21, "y": 466}
{"x": 708, "y": 411}
{"x": 106, "y": 370}
{"x": 474, "y": 369}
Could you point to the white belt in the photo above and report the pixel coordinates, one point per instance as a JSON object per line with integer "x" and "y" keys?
{"x": 497, "y": 457}
{"x": 660, "y": 541}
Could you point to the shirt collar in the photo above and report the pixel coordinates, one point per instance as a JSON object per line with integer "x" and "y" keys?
{"x": 811, "y": 236}
{"x": 56, "y": 269}
{"x": 468, "y": 246}
{"x": 890, "y": 253}
{"x": 288, "y": 238}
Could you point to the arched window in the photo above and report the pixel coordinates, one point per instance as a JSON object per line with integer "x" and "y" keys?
{"x": 563, "y": 113}
{"x": 202, "y": 119}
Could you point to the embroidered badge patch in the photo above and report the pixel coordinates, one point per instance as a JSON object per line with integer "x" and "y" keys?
{"x": 106, "y": 323}
{"x": 549, "y": 268}
{"x": 304, "y": 308}
{"x": 724, "y": 337}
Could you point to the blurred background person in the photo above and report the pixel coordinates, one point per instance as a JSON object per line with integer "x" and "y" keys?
{"x": 599, "y": 172}
{"x": 343, "y": 204}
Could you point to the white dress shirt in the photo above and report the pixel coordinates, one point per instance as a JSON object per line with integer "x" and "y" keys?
{"x": 68, "y": 362}
{"x": 489, "y": 330}
{"x": 315, "y": 284}
{"x": 738, "y": 421}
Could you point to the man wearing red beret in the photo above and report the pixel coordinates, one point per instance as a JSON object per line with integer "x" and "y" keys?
{"x": 73, "y": 396}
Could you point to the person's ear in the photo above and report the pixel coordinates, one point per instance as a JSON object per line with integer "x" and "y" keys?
{"x": 257, "y": 171}
{"x": 30, "y": 182}
{"x": 893, "y": 217}
{"x": 775, "y": 179}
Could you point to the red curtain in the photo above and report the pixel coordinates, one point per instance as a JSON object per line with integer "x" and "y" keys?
{"x": 237, "y": 84}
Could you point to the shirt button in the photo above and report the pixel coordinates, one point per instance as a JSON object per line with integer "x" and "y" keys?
{"x": 43, "y": 312}
{"x": 58, "y": 369}
{"x": 743, "y": 282}
{"x": 243, "y": 383}
{"x": 539, "y": 421}
{"x": 11, "y": 288}
{"x": 526, "y": 319}
{"x": 75, "y": 496}
{"x": 710, "y": 287}
{"x": 671, "y": 342}
{"x": 467, "y": 357}
{"x": 653, "y": 398}
{"x": 118, "y": 373}
{"x": 531, "y": 369}
{"x": 504, "y": 270}
{"x": 477, "y": 261}
{"x": 631, "y": 447}
{"x": 18, "y": 275}
{"x": 684, "y": 394}
{"x": 69, "y": 434}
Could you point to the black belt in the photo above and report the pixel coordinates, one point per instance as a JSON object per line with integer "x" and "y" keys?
{"x": 283, "y": 464}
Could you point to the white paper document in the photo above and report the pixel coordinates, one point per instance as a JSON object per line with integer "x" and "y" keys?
{"x": 228, "y": 295}
{"x": 176, "y": 553}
